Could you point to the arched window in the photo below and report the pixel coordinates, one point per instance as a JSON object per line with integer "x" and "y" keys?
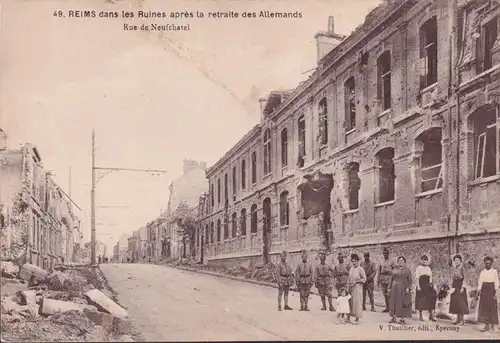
{"x": 323, "y": 121}
{"x": 486, "y": 121}
{"x": 386, "y": 176}
{"x": 218, "y": 231}
{"x": 284, "y": 148}
{"x": 233, "y": 225}
{"x": 243, "y": 222}
{"x": 253, "y": 219}
{"x": 284, "y": 209}
{"x": 354, "y": 184}
{"x": 431, "y": 160}
{"x": 243, "y": 175}
{"x": 267, "y": 152}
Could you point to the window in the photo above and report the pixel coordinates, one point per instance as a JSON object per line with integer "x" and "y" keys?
{"x": 386, "y": 176}
{"x": 486, "y": 142}
{"x": 254, "y": 167}
{"x": 266, "y": 213}
{"x": 284, "y": 148}
{"x": 428, "y": 53}
{"x": 384, "y": 80}
{"x": 484, "y": 45}
{"x": 243, "y": 222}
{"x": 354, "y": 184}
{"x": 218, "y": 191}
{"x": 431, "y": 160}
{"x": 218, "y": 231}
{"x": 350, "y": 104}
{"x": 284, "y": 209}
{"x": 212, "y": 197}
{"x": 226, "y": 228}
{"x": 302, "y": 140}
{"x": 234, "y": 182}
{"x": 208, "y": 233}
{"x": 267, "y": 152}
{"x": 210, "y": 239}
{"x": 243, "y": 175}
{"x": 226, "y": 192}
{"x": 233, "y": 225}
{"x": 253, "y": 219}
{"x": 323, "y": 122}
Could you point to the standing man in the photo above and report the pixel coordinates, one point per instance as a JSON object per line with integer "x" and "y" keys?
{"x": 324, "y": 281}
{"x": 284, "y": 278}
{"x": 384, "y": 276}
{"x": 304, "y": 275}
{"x": 369, "y": 285}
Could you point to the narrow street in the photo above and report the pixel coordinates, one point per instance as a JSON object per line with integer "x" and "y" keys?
{"x": 174, "y": 305}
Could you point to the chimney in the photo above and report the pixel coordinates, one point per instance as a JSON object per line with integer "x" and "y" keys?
{"x": 3, "y": 140}
{"x": 326, "y": 41}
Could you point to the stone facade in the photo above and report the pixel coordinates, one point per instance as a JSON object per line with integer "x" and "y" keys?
{"x": 376, "y": 129}
{"x": 39, "y": 224}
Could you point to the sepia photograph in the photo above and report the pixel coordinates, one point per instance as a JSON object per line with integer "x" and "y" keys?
{"x": 249, "y": 170}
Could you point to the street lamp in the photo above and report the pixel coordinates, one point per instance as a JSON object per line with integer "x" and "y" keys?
{"x": 95, "y": 179}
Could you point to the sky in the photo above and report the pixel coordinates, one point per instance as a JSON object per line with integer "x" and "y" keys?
{"x": 153, "y": 98}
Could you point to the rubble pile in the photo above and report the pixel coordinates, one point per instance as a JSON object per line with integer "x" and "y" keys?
{"x": 64, "y": 304}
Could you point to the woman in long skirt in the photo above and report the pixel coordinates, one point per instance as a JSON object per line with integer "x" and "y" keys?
{"x": 458, "y": 298}
{"x": 400, "y": 285}
{"x": 357, "y": 277}
{"x": 425, "y": 296}
{"x": 488, "y": 285}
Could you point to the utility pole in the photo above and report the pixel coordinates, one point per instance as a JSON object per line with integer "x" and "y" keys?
{"x": 104, "y": 171}
{"x": 92, "y": 205}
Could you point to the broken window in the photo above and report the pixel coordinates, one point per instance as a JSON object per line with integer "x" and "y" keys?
{"x": 234, "y": 183}
{"x": 431, "y": 160}
{"x": 384, "y": 80}
{"x": 284, "y": 148}
{"x": 253, "y": 218}
{"x": 323, "y": 122}
{"x": 226, "y": 191}
{"x": 284, "y": 209}
{"x": 428, "y": 53}
{"x": 354, "y": 184}
{"x": 243, "y": 221}
{"x": 350, "y": 104}
{"x": 267, "y": 152}
{"x": 218, "y": 191}
{"x": 243, "y": 175}
{"x": 302, "y": 140}
{"x": 218, "y": 231}
{"x": 386, "y": 176}
{"x": 254, "y": 167}
{"x": 233, "y": 225}
{"x": 486, "y": 142}
{"x": 484, "y": 45}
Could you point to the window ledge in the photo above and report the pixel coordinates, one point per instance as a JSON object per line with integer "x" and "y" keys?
{"x": 350, "y": 131}
{"x": 267, "y": 175}
{"x": 351, "y": 211}
{"x": 484, "y": 180}
{"x": 384, "y": 113}
{"x": 427, "y": 193}
{"x": 382, "y": 204}
{"x": 253, "y": 234}
{"x": 429, "y": 88}
{"x": 284, "y": 227}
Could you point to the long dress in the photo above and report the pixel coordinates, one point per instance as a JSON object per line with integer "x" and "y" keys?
{"x": 458, "y": 299}
{"x": 400, "y": 302}
{"x": 357, "y": 278}
{"x": 488, "y": 284}
{"x": 425, "y": 298}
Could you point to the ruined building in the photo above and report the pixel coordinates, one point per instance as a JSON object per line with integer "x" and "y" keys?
{"x": 392, "y": 141}
{"x": 38, "y": 224}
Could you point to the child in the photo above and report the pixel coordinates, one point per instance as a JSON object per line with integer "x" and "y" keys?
{"x": 343, "y": 308}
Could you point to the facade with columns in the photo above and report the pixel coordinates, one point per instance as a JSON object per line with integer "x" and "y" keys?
{"x": 393, "y": 141}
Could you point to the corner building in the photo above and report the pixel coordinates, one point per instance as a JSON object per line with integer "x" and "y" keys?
{"x": 393, "y": 141}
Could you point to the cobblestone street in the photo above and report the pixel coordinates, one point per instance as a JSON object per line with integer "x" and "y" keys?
{"x": 169, "y": 304}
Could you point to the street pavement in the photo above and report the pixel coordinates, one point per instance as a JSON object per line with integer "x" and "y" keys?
{"x": 168, "y": 304}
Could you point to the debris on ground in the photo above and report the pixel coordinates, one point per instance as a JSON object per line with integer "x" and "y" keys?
{"x": 68, "y": 303}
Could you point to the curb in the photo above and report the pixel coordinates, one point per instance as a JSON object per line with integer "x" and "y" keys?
{"x": 236, "y": 278}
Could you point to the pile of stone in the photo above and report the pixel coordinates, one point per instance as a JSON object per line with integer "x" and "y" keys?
{"x": 60, "y": 305}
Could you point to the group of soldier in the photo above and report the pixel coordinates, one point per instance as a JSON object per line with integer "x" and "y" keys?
{"x": 325, "y": 276}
